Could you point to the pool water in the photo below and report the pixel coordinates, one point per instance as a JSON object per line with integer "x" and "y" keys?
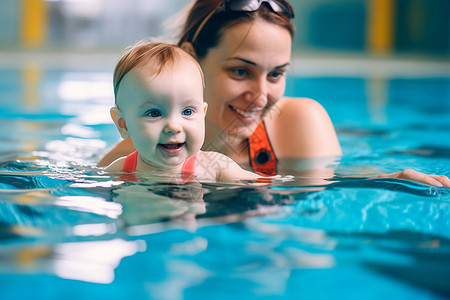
{"x": 68, "y": 230}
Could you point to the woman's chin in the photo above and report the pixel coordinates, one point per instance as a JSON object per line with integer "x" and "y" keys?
{"x": 242, "y": 131}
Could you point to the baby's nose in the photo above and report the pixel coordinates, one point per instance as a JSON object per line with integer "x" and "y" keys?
{"x": 172, "y": 126}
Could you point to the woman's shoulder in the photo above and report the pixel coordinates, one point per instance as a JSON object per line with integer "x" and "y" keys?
{"x": 296, "y": 113}
{"x": 301, "y": 127}
{"x": 304, "y": 106}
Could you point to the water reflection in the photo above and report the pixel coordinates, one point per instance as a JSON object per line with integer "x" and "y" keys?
{"x": 92, "y": 261}
{"x": 78, "y": 223}
{"x": 153, "y": 202}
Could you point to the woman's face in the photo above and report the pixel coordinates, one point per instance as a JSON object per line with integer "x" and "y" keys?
{"x": 245, "y": 76}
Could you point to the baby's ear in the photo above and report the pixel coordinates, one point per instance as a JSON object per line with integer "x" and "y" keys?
{"x": 205, "y": 108}
{"x": 117, "y": 116}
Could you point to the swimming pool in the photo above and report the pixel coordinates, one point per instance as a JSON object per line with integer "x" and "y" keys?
{"x": 70, "y": 231}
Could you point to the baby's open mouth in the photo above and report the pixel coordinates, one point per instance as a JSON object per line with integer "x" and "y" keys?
{"x": 172, "y": 145}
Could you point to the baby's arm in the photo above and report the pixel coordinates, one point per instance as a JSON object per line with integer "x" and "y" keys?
{"x": 232, "y": 171}
{"x": 218, "y": 166}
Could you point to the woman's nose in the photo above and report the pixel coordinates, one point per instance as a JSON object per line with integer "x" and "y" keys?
{"x": 258, "y": 93}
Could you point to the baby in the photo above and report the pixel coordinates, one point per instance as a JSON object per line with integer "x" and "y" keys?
{"x": 158, "y": 90}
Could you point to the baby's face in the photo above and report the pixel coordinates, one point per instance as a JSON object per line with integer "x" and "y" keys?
{"x": 165, "y": 116}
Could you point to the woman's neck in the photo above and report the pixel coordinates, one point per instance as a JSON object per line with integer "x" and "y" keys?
{"x": 232, "y": 146}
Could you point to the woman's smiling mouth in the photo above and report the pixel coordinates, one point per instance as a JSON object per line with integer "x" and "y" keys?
{"x": 248, "y": 115}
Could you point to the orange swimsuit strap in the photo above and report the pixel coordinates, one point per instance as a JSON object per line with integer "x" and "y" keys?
{"x": 262, "y": 156}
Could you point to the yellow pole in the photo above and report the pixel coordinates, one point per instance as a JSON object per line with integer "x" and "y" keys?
{"x": 380, "y": 27}
{"x": 31, "y": 82}
{"x": 31, "y": 79}
{"x": 33, "y": 23}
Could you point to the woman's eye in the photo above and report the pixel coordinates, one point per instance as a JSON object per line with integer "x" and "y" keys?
{"x": 239, "y": 73}
{"x": 187, "y": 112}
{"x": 274, "y": 76}
{"x": 154, "y": 113}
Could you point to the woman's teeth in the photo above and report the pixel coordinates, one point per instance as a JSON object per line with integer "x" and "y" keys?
{"x": 243, "y": 113}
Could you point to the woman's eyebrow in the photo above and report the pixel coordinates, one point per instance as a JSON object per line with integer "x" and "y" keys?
{"x": 254, "y": 64}
{"x": 282, "y": 66}
{"x": 243, "y": 60}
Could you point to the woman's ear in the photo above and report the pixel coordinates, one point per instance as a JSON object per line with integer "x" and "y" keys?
{"x": 118, "y": 119}
{"x": 189, "y": 48}
{"x": 205, "y": 108}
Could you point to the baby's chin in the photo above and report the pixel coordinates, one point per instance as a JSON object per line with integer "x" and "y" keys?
{"x": 169, "y": 165}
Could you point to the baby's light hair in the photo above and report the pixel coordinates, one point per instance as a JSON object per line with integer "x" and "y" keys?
{"x": 159, "y": 54}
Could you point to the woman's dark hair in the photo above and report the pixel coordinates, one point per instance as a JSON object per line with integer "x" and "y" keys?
{"x": 210, "y": 34}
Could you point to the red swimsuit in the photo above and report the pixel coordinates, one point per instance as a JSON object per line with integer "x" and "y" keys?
{"x": 262, "y": 157}
{"x": 130, "y": 163}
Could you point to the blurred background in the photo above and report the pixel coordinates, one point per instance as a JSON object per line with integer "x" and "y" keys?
{"x": 57, "y": 59}
{"x": 381, "y": 27}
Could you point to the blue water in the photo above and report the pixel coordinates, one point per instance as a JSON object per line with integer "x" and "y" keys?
{"x": 68, "y": 230}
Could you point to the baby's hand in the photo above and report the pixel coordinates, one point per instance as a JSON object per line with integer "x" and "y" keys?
{"x": 283, "y": 178}
{"x": 276, "y": 178}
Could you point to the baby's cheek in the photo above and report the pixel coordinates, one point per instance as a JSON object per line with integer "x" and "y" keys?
{"x": 197, "y": 137}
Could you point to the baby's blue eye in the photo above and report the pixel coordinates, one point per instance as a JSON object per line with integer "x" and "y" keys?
{"x": 187, "y": 112}
{"x": 153, "y": 113}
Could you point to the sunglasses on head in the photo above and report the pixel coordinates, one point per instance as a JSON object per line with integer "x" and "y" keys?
{"x": 280, "y": 7}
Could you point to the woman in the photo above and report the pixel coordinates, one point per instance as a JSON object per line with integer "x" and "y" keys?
{"x": 244, "y": 49}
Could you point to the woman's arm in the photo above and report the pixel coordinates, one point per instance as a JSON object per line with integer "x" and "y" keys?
{"x": 303, "y": 138}
{"x": 410, "y": 174}
{"x": 123, "y": 148}
{"x": 300, "y": 128}
{"x": 116, "y": 166}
